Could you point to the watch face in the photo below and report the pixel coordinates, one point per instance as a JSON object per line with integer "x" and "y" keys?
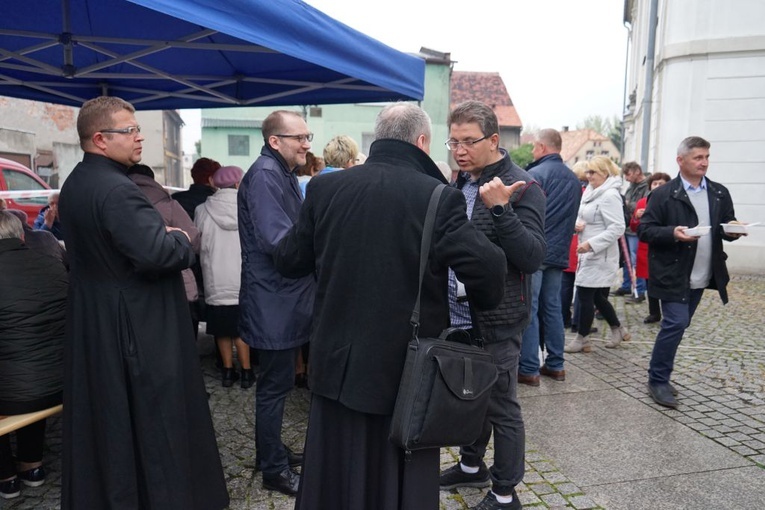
{"x": 498, "y": 210}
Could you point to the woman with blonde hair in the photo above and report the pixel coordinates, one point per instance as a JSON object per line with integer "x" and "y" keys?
{"x": 600, "y": 224}
{"x": 340, "y": 153}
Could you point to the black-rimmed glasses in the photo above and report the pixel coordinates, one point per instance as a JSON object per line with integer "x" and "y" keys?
{"x": 299, "y": 138}
{"x": 453, "y": 145}
{"x": 130, "y": 130}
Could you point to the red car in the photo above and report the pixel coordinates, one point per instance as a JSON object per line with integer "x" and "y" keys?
{"x": 16, "y": 177}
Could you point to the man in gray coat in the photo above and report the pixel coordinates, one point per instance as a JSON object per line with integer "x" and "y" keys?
{"x": 275, "y": 312}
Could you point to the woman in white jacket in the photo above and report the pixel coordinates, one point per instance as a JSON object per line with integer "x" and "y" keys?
{"x": 221, "y": 261}
{"x": 600, "y": 224}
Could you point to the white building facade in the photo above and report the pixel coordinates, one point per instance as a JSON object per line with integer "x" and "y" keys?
{"x": 709, "y": 81}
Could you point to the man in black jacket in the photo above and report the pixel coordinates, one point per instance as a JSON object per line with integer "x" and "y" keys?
{"x": 513, "y": 217}
{"x": 359, "y": 230}
{"x": 681, "y": 266}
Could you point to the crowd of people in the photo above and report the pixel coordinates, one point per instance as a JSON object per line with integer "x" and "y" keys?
{"x": 302, "y": 251}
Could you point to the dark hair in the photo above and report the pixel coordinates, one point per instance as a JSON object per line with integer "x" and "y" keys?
{"x": 658, "y": 176}
{"x": 203, "y": 169}
{"x": 141, "y": 169}
{"x": 475, "y": 112}
{"x": 630, "y": 166}
{"x": 309, "y": 167}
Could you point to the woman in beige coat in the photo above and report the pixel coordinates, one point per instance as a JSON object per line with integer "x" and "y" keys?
{"x": 600, "y": 224}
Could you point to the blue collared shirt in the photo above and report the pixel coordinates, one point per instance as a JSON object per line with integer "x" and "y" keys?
{"x": 459, "y": 311}
{"x": 690, "y": 188}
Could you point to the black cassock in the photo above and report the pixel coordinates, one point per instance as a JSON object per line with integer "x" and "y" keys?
{"x": 137, "y": 427}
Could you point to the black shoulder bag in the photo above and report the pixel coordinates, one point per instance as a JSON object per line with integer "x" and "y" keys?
{"x": 446, "y": 384}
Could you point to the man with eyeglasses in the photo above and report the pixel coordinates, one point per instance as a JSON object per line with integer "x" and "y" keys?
{"x": 513, "y": 217}
{"x": 275, "y": 312}
{"x": 137, "y": 429}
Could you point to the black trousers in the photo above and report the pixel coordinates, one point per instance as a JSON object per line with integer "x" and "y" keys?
{"x": 590, "y": 298}
{"x": 30, "y": 441}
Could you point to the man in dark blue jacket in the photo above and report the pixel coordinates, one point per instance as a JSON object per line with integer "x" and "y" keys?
{"x": 681, "y": 266}
{"x": 275, "y": 312}
{"x": 563, "y": 192}
{"x": 511, "y": 213}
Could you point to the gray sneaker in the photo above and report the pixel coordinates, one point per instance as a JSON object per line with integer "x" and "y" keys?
{"x": 455, "y": 477}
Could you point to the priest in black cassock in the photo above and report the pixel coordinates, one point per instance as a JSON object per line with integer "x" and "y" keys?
{"x": 137, "y": 430}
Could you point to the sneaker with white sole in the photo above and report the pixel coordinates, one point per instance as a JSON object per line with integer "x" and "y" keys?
{"x": 34, "y": 477}
{"x": 455, "y": 477}
{"x": 10, "y": 489}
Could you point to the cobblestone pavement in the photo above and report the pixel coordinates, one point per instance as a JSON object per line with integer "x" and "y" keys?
{"x": 720, "y": 372}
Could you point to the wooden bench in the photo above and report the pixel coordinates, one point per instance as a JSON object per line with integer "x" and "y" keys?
{"x": 11, "y": 423}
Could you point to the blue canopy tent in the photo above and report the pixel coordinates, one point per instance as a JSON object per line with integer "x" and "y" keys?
{"x": 168, "y": 54}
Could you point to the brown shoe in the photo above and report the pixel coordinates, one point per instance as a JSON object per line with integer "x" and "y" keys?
{"x": 558, "y": 375}
{"x": 529, "y": 380}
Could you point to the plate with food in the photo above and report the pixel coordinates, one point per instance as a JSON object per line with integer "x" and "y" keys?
{"x": 737, "y": 228}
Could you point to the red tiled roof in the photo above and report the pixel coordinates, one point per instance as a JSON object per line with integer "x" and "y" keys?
{"x": 487, "y": 88}
{"x": 573, "y": 141}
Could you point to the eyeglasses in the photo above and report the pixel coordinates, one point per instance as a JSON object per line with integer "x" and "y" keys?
{"x": 453, "y": 145}
{"x": 299, "y": 138}
{"x": 130, "y": 130}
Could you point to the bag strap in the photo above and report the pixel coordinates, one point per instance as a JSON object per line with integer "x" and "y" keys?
{"x": 427, "y": 235}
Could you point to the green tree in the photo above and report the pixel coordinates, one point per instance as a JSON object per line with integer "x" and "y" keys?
{"x": 522, "y": 156}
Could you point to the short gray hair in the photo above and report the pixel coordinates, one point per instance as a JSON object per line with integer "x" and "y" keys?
{"x": 402, "y": 121}
{"x": 690, "y": 143}
{"x": 551, "y": 138}
{"x": 10, "y": 226}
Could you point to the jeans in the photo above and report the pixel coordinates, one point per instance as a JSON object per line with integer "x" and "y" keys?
{"x": 276, "y": 379}
{"x": 676, "y": 317}
{"x": 632, "y": 245}
{"x": 505, "y": 419}
{"x": 545, "y": 306}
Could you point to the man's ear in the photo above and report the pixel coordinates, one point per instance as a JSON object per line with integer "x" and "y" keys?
{"x": 99, "y": 140}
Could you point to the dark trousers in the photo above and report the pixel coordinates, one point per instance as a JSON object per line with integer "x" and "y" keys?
{"x": 505, "y": 420}
{"x": 276, "y": 379}
{"x": 589, "y": 298}
{"x": 567, "y": 297}
{"x": 653, "y": 306}
{"x": 676, "y": 317}
{"x": 29, "y": 447}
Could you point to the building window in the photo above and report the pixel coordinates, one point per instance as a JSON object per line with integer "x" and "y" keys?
{"x": 315, "y": 111}
{"x": 238, "y": 145}
{"x": 589, "y": 155}
{"x": 604, "y": 153}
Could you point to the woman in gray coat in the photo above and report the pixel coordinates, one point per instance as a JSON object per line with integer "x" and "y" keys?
{"x": 600, "y": 223}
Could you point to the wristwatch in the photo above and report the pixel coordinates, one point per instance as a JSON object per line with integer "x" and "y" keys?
{"x": 498, "y": 210}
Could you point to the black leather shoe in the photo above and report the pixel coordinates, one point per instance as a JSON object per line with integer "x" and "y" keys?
{"x": 620, "y": 292}
{"x": 229, "y": 377}
{"x": 652, "y": 319}
{"x": 248, "y": 378}
{"x": 662, "y": 395}
{"x": 286, "y": 482}
{"x": 294, "y": 459}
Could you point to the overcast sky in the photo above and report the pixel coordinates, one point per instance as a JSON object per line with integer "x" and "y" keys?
{"x": 561, "y": 60}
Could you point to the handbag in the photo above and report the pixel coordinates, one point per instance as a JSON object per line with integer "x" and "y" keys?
{"x": 445, "y": 386}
